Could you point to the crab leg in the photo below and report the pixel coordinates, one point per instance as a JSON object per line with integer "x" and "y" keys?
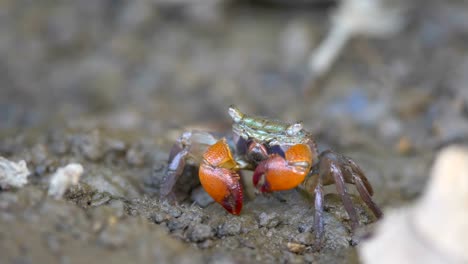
{"x": 366, "y": 197}
{"x": 188, "y": 144}
{"x": 356, "y": 172}
{"x": 354, "y": 175}
{"x": 174, "y": 170}
{"x": 318, "y": 217}
{"x": 337, "y": 174}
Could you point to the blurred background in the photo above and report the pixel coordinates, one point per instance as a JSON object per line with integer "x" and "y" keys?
{"x": 183, "y": 62}
{"x": 142, "y": 71}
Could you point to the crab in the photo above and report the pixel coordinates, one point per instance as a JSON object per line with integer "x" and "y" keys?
{"x": 281, "y": 155}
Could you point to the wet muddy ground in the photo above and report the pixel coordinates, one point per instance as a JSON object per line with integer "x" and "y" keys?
{"x": 111, "y": 85}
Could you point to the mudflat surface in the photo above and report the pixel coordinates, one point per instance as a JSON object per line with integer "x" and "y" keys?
{"x": 111, "y": 85}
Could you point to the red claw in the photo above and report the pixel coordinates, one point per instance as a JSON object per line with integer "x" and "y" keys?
{"x": 277, "y": 173}
{"x": 219, "y": 177}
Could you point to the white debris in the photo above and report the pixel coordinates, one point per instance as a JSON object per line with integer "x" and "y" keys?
{"x": 435, "y": 228}
{"x": 13, "y": 174}
{"x": 355, "y": 17}
{"x": 64, "y": 178}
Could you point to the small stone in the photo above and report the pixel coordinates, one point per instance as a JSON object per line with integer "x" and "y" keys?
{"x": 172, "y": 210}
{"x": 64, "y": 178}
{"x": 177, "y": 224}
{"x": 404, "y": 145}
{"x": 296, "y": 248}
{"x": 159, "y": 217}
{"x": 200, "y": 232}
{"x": 230, "y": 228}
{"x": 13, "y": 174}
{"x": 268, "y": 220}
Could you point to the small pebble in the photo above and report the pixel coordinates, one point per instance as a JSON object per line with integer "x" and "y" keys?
{"x": 404, "y": 145}
{"x": 178, "y": 224}
{"x": 13, "y": 174}
{"x": 230, "y": 228}
{"x": 64, "y": 178}
{"x": 268, "y": 220}
{"x": 175, "y": 212}
{"x": 200, "y": 232}
{"x": 159, "y": 217}
{"x": 296, "y": 248}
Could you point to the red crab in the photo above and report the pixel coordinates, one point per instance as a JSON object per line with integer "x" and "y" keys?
{"x": 283, "y": 156}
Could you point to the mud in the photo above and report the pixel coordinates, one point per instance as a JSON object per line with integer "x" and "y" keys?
{"x": 113, "y": 91}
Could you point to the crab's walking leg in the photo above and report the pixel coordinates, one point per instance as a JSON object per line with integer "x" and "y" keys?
{"x": 342, "y": 190}
{"x": 174, "y": 170}
{"x": 356, "y": 171}
{"x": 338, "y": 169}
{"x": 366, "y": 197}
{"x": 189, "y": 143}
{"x": 318, "y": 217}
{"x": 357, "y": 177}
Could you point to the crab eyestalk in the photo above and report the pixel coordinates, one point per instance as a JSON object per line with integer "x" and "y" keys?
{"x": 295, "y": 128}
{"x": 218, "y": 176}
{"x": 278, "y": 174}
{"x": 235, "y": 114}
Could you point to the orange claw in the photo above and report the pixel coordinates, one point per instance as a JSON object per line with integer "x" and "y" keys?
{"x": 219, "y": 178}
{"x": 284, "y": 173}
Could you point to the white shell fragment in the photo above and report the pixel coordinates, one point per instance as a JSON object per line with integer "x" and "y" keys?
{"x": 64, "y": 178}
{"x": 435, "y": 228}
{"x": 380, "y": 18}
{"x": 13, "y": 174}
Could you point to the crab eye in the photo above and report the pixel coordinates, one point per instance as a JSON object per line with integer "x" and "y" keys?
{"x": 294, "y": 129}
{"x": 235, "y": 114}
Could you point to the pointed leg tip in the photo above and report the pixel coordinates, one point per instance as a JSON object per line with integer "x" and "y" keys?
{"x": 234, "y": 209}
